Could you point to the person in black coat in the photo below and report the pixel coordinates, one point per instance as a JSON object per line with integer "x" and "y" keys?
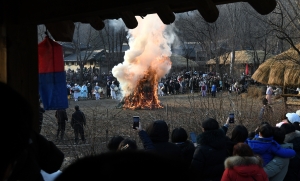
{"x": 78, "y": 122}
{"x": 61, "y": 117}
{"x": 89, "y": 93}
{"x": 24, "y": 152}
{"x": 292, "y": 136}
{"x": 239, "y": 134}
{"x": 158, "y": 132}
{"x": 211, "y": 152}
{"x": 179, "y": 136}
{"x": 123, "y": 165}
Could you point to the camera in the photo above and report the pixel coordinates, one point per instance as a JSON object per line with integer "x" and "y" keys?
{"x": 231, "y": 118}
{"x": 136, "y": 122}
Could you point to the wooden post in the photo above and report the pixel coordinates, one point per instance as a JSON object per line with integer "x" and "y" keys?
{"x": 19, "y": 51}
{"x": 284, "y": 98}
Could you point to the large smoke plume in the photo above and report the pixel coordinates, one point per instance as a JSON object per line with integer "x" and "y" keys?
{"x": 149, "y": 43}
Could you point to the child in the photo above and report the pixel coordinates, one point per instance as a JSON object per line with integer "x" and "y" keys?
{"x": 264, "y": 145}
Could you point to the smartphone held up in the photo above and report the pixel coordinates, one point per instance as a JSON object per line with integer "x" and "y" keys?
{"x": 231, "y": 118}
{"x": 136, "y": 122}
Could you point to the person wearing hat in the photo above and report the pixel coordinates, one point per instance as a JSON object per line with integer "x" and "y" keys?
{"x": 294, "y": 119}
{"x": 78, "y": 122}
{"x": 298, "y": 112}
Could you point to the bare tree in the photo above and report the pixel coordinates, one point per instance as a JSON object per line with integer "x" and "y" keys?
{"x": 285, "y": 25}
{"x": 193, "y": 27}
{"x": 113, "y": 38}
{"x": 84, "y": 43}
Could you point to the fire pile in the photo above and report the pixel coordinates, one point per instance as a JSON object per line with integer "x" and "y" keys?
{"x": 144, "y": 95}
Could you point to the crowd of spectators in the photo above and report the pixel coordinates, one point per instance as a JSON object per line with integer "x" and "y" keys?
{"x": 266, "y": 153}
{"x": 172, "y": 84}
{"x": 270, "y": 152}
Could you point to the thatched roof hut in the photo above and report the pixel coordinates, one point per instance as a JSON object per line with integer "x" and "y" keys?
{"x": 280, "y": 70}
{"x": 180, "y": 61}
{"x": 241, "y": 57}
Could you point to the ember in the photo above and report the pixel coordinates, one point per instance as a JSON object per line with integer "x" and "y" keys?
{"x": 145, "y": 94}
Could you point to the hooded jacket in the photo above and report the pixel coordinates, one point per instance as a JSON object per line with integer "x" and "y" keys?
{"x": 277, "y": 168}
{"x": 210, "y": 154}
{"x": 158, "y": 132}
{"x": 244, "y": 168}
{"x": 267, "y": 148}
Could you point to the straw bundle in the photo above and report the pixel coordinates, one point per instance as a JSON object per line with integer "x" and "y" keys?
{"x": 276, "y": 70}
{"x": 262, "y": 73}
{"x": 281, "y": 70}
{"x": 241, "y": 57}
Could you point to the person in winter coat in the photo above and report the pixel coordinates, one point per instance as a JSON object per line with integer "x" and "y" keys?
{"x": 239, "y": 134}
{"x": 147, "y": 143}
{"x": 61, "y": 117}
{"x": 120, "y": 165}
{"x": 179, "y": 136}
{"x": 158, "y": 133}
{"x": 292, "y": 136}
{"x": 78, "y": 122}
{"x": 264, "y": 145}
{"x": 277, "y": 168}
{"x": 203, "y": 89}
{"x": 243, "y": 165}
{"x": 113, "y": 143}
{"x": 211, "y": 152}
{"x": 24, "y": 152}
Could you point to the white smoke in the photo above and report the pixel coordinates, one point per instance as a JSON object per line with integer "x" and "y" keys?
{"x": 148, "y": 42}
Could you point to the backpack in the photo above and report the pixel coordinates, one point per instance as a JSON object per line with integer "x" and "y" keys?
{"x": 203, "y": 87}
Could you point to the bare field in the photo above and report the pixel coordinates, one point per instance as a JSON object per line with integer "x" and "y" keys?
{"x": 104, "y": 120}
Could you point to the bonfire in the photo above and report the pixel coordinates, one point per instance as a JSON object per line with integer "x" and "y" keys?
{"x": 144, "y": 95}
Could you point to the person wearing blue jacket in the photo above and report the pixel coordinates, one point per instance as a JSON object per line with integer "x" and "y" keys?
{"x": 264, "y": 145}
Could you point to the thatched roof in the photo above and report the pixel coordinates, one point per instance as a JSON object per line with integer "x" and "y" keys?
{"x": 242, "y": 57}
{"x": 180, "y": 61}
{"x": 280, "y": 70}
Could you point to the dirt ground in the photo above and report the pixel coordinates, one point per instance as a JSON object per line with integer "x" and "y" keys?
{"x": 105, "y": 120}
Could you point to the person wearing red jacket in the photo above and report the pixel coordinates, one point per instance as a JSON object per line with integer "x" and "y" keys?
{"x": 243, "y": 165}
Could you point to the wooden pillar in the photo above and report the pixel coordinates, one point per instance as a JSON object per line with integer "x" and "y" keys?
{"x": 19, "y": 62}
{"x": 284, "y": 91}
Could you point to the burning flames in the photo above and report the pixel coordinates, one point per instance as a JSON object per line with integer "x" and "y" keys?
{"x": 145, "y": 63}
{"x": 145, "y": 94}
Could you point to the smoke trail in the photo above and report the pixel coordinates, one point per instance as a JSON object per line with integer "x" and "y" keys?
{"x": 149, "y": 43}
